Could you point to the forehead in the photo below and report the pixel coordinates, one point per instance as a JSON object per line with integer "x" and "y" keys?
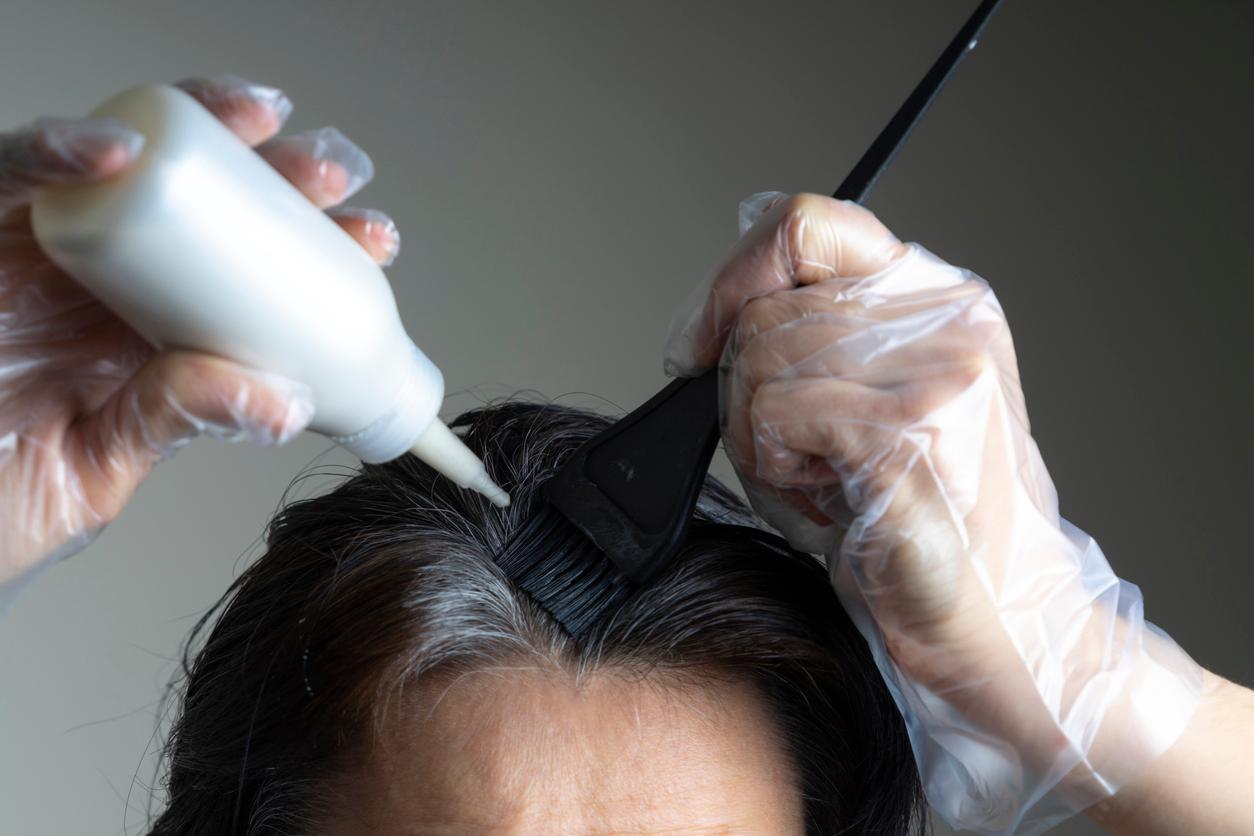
{"x": 517, "y": 751}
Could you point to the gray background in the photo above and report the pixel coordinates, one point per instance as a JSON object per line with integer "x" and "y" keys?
{"x": 563, "y": 174}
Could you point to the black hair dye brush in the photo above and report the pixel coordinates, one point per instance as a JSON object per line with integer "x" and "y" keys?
{"x": 617, "y": 510}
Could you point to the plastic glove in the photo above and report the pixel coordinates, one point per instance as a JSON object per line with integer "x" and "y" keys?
{"x": 86, "y": 405}
{"x": 871, "y": 405}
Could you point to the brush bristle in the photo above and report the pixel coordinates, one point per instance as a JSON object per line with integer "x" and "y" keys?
{"x": 564, "y": 571}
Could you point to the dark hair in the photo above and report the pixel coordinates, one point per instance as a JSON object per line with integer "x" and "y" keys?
{"x": 390, "y": 578}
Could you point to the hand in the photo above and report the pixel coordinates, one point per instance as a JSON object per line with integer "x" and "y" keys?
{"x": 86, "y": 405}
{"x": 872, "y": 407}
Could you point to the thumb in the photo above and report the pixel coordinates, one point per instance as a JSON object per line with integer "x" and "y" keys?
{"x": 787, "y": 242}
{"x": 178, "y": 395}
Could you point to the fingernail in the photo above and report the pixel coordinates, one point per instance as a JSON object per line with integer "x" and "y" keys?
{"x": 379, "y": 226}
{"x": 228, "y": 85}
{"x": 272, "y": 97}
{"x": 329, "y": 144}
{"x": 79, "y": 142}
{"x": 115, "y": 131}
{"x": 393, "y": 244}
{"x": 280, "y": 102}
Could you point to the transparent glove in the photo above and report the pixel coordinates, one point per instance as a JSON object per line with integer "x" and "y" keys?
{"x": 871, "y": 405}
{"x": 86, "y": 405}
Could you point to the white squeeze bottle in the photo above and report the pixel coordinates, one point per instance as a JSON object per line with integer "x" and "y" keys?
{"x": 201, "y": 244}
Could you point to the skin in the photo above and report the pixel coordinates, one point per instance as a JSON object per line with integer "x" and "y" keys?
{"x": 788, "y": 295}
{"x": 1202, "y": 783}
{"x": 517, "y": 752}
{"x": 485, "y": 737}
{"x": 74, "y": 470}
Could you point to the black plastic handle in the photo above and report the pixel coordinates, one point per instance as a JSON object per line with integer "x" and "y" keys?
{"x": 624, "y": 486}
{"x": 651, "y": 464}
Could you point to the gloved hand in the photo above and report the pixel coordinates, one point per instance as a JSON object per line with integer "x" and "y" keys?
{"x": 86, "y": 405}
{"x": 871, "y": 405}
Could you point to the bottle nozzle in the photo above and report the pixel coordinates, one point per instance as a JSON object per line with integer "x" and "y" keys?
{"x": 440, "y": 447}
{"x": 495, "y": 494}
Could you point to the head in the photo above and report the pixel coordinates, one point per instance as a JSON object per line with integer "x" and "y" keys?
{"x": 375, "y": 672}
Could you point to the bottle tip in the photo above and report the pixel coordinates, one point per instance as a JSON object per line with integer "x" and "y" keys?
{"x": 491, "y": 490}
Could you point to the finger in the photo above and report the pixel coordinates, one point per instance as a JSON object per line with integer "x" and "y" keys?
{"x": 174, "y": 397}
{"x": 801, "y": 240}
{"x": 375, "y": 231}
{"x": 880, "y": 354}
{"x": 824, "y": 437}
{"x": 871, "y": 438}
{"x": 775, "y": 310}
{"x": 879, "y": 467}
{"x": 908, "y": 504}
{"x": 918, "y": 288}
{"x": 791, "y": 512}
{"x": 52, "y": 150}
{"x": 47, "y": 317}
{"x": 255, "y": 112}
{"x": 843, "y": 423}
{"x": 324, "y": 164}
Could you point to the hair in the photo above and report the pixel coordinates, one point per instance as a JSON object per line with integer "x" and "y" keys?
{"x": 389, "y": 580}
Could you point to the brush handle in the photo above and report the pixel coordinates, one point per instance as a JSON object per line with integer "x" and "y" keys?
{"x": 632, "y": 488}
{"x": 623, "y": 487}
{"x": 861, "y": 179}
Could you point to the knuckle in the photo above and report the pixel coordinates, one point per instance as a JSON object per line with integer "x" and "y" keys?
{"x": 796, "y": 216}
{"x": 928, "y": 395}
{"x": 920, "y": 402}
{"x": 759, "y": 314}
{"x": 170, "y": 368}
{"x": 975, "y": 365}
{"x": 188, "y": 375}
{"x": 806, "y": 205}
{"x": 809, "y": 208}
{"x": 812, "y": 236}
{"x": 915, "y": 401}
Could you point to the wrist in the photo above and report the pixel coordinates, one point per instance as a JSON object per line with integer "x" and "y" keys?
{"x": 1200, "y": 783}
{"x": 1156, "y": 694}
